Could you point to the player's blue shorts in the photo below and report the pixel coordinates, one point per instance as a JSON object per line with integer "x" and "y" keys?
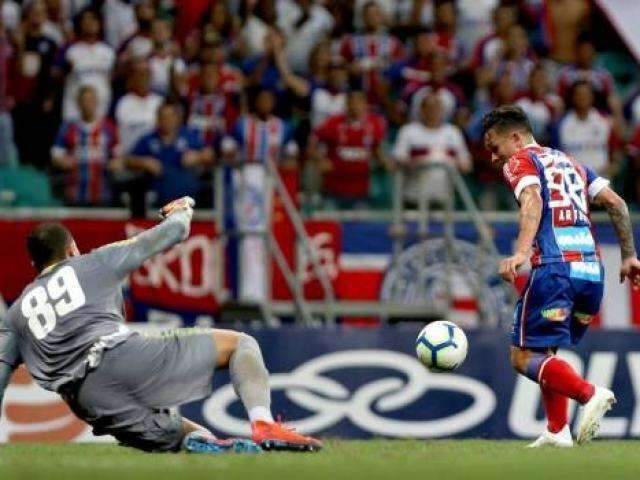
{"x": 558, "y": 304}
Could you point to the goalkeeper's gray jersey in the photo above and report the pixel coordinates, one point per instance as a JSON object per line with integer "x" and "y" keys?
{"x": 73, "y": 311}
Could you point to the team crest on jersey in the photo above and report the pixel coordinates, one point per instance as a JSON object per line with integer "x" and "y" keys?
{"x": 555, "y": 314}
{"x": 509, "y": 170}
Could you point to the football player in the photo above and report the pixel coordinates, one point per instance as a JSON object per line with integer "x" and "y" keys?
{"x": 565, "y": 286}
{"x": 67, "y": 328}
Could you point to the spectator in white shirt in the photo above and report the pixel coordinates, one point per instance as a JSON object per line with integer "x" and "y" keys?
{"x": 120, "y": 21}
{"x": 139, "y": 44}
{"x": 136, "y": 112}
{"x": 87, "y": 61}
{"x": 587, "y": 134}
{"x": 303, "y": 24}
{"x": 257, "y": 16}
{"x": 168, "y": 70}
{"x": 430, "y": 141}
{"x": 474, "y": 22}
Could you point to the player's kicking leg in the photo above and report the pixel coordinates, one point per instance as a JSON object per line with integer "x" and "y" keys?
{"x": 241, "y": 354}
{"x": 547, "y": 317}
{"x": 559, "y": 382}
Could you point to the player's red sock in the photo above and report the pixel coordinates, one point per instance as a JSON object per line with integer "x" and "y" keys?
{"x": 557, "y": 375}
{"x": 556, "y": 407}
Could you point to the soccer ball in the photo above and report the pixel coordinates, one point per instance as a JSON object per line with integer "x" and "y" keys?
{"x": 441, "y": 346}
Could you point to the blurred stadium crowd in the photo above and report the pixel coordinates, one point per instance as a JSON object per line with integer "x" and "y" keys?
{"x": 135, "y": 101}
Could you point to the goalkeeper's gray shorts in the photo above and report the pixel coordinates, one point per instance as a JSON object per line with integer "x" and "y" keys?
{"x": 132, "y": 393}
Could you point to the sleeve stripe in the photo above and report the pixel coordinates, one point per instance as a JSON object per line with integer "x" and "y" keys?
{"x": 597, "y": 186}
{"x": 525, "y": 182}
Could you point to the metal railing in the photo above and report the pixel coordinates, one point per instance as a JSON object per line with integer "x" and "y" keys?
{"x": 273, "y": 183}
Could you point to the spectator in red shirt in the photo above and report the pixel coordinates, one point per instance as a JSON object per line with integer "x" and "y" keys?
{"x": 346, "y": 146}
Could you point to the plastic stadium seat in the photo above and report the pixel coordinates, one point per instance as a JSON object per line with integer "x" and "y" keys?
{"x": 622, "y": 67}
{"x": 25, "y": 187}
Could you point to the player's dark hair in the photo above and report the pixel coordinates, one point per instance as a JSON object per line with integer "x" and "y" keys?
{"x": 506, "y": 117}
{"x": 47, "y": 243}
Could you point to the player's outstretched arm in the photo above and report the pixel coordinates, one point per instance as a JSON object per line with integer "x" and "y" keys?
{"x": 128, "y": 255}
{"x": 529, "y": 221}
{"x": 618, "y": 211}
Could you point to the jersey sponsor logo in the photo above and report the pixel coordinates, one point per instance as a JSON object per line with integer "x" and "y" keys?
{"x": 575, "y": 239}
{"x": 555, "y": 314}
{"x": 584, "y": 318}
{"x": 510, "y": 169}
{"x": 353, "y": 154}
{"x": 586, "y": 271}
{"x": 373, "y": 406}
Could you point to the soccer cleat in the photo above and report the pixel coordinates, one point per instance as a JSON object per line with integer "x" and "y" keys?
{"x": 198, "y": 442}
{"x": 561, "y": 439}
{"x": 592, "y": 412}
{"x": 276, "y": 436}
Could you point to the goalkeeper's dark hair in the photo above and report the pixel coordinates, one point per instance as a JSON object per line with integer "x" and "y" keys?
{"x": 506, "y": 118}
{"x": 47, "y": 244}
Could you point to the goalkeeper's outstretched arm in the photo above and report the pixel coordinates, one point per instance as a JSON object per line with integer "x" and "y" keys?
{"x": 128, "y": 255}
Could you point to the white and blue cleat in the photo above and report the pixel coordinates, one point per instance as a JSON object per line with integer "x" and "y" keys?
{"x": 199, "y": 442}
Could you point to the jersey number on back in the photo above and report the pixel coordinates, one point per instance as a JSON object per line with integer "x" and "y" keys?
{"x": 567, "y": 188}
{"x": 42, "y": 307}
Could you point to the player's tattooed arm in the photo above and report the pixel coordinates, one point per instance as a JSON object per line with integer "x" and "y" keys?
{"x": 618, "y": 211}
{"x": 622, "y": 222}
{"x": 529, "y": 221}
{"x": 528, "y": 218}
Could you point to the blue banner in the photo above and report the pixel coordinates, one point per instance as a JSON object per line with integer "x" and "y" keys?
{"x": 359, "y": 383}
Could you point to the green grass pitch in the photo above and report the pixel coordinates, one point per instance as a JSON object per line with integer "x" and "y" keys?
{"x": 377, "y": 459}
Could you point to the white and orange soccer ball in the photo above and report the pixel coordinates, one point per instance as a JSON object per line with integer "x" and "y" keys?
{"x": 441, "y": 346}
